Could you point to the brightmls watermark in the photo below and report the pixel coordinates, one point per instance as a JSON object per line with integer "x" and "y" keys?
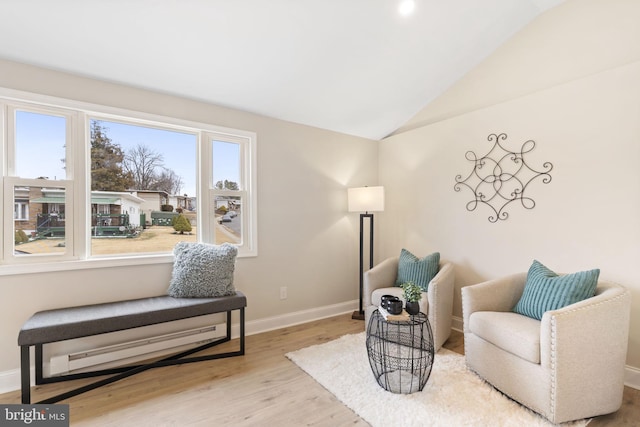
{"x": 34, "y": 415}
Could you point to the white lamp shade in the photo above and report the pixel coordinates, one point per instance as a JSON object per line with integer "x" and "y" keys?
{"x": 366, "y": 199}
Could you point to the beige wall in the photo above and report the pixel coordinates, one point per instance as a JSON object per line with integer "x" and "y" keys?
{"x": 306, "y": 238}
{"x": 571, "y": 82}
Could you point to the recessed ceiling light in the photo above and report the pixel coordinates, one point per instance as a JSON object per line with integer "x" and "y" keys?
{"x": 406, "y": 7}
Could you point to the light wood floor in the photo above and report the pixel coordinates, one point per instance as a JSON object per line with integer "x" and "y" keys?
{"x": 263, "y": 388}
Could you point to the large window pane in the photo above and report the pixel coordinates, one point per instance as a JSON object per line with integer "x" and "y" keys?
{"x": 143, "y": 188}
{"x": 40, "y": 146}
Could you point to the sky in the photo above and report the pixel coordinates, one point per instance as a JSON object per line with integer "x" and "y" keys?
{"x": 177, "y": 149}
{"x": 40, "y": 141}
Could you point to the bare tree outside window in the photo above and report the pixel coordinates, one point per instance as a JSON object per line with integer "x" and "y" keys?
{"x": 141, "y": 162}
{"x": 167, "y": 180}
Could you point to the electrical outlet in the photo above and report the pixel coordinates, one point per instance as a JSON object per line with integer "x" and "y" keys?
{"x": 283, "y": 292}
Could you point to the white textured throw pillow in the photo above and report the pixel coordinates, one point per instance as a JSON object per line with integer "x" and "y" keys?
{"x": 201, "y": 270}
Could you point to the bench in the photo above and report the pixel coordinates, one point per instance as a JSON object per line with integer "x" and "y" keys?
{"x": 50, "y": 326}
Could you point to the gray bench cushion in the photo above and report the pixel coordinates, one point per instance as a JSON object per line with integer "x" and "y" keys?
{"x": 76, "y": 322}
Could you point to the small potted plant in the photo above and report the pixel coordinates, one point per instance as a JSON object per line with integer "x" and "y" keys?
{"x": 412, "y": 295}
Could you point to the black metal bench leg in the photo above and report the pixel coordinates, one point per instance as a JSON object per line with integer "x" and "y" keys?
{"x": 242, "y": 330}
{"x": 39, "y": 364}
{"x": 25, "y": 374}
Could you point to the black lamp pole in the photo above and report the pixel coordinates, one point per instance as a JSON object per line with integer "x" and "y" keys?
{"x": 360, "y": 313}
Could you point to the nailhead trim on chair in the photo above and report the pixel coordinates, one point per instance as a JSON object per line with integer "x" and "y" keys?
{"x": 436, "y": 334}
{"x": 553, "y": 365}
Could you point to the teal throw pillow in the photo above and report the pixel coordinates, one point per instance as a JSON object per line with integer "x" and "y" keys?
{"x": 545, "y": 290}
{"x": 417, "y": 270}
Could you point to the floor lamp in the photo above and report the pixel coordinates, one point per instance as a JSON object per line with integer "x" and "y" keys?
{"x": 365, "y": 199}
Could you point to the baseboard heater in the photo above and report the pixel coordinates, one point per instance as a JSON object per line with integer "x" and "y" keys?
{"x": 135, "y": 350}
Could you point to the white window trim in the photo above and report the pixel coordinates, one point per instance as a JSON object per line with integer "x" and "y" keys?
{"x": 78, "y": 156}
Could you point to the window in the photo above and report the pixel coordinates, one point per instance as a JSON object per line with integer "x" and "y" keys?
{"x": 55, "y": 208}
{"x": 140, "y": 174}
{"x": 38, "y": 161}
{"x": 103, "y": 210}
{"x": 21, "y": 210}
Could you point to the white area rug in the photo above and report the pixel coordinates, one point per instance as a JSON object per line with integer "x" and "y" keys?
{"x": 453, "y": 395}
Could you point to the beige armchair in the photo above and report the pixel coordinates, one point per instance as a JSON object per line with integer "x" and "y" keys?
{"x": 567, "y": 366}
{"x": 436, "y": 303}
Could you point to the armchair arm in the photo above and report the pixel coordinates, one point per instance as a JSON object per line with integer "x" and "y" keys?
{"x": 494, "y": 295}
{"x": 382, "y": 275}
{"x": 585, "y": 347}
{"x": 587, "y": 328}
{"x": 440, "y": 297}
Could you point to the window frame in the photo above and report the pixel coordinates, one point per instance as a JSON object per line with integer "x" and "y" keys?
{"x": 78, "y": 192}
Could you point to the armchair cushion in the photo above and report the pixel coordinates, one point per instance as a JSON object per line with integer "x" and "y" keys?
{"x": 512, "y": 332}
{"x": 545, "y": 290}
{"x": 418, "y": 270}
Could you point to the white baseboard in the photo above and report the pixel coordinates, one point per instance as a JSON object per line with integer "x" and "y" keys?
{"x": 456, "y": 324}
{"x": 297, "y": 317}
{"x": 632, "y": 377}
{"x": 10, "y": 380}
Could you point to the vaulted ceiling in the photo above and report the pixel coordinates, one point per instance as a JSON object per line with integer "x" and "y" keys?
{"x": 352, "y": 66}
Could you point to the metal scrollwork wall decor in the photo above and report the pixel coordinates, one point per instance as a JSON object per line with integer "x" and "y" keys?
{"x": 501, "y": 177}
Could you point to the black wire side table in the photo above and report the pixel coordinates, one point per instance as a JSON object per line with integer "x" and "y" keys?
{"x": 400, "y": 352}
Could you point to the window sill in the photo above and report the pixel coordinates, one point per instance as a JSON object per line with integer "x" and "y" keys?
{"x": 46, "y": 267}
{"x": 70, "y": 265}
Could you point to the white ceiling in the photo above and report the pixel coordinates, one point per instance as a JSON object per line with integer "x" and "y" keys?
{"x": 353, "y": 66}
